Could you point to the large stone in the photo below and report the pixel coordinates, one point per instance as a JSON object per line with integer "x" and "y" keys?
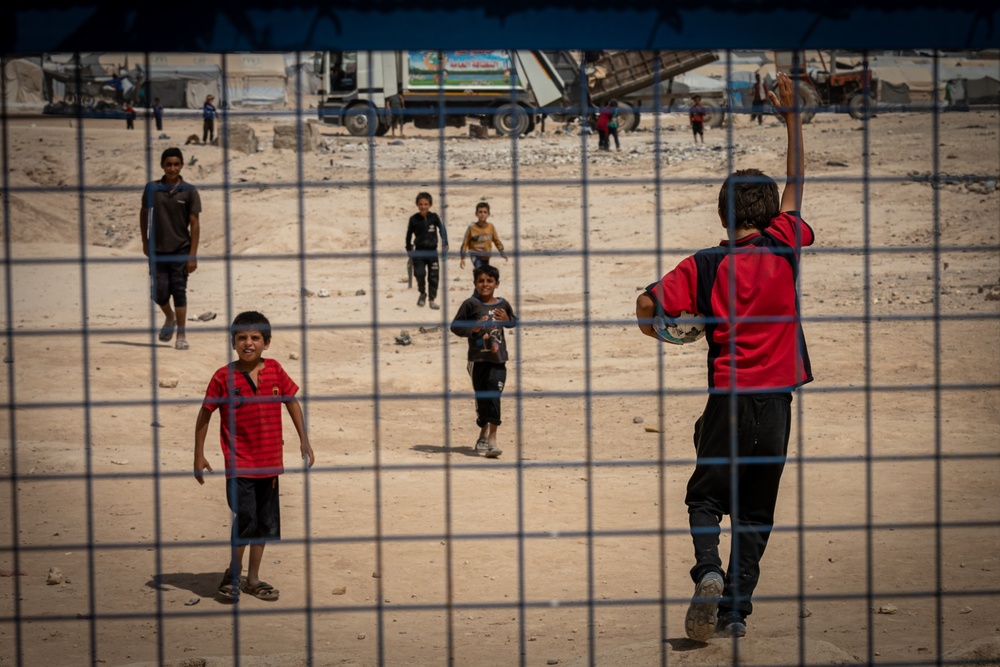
{"x": 286, "y": 136}
{"x": 241, "y": 138}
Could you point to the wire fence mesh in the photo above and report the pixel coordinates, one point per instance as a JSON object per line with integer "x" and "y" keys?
{"x": 403, "y": 544}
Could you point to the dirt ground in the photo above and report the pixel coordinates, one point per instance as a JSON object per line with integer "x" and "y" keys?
{"x": 402, "y": 546}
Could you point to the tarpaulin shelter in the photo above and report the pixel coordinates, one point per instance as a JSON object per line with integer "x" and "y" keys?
{"x": 24, "y": 82}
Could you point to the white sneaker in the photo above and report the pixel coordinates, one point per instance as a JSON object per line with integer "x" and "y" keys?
{"x": 493, "y": 452}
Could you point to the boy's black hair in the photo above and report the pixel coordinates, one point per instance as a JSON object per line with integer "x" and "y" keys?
{"x": 483, "y": 204}
{"x": 425, "y": 195}
{"x": 171, "y": 152}
{"x": 489, "y": 270}
{"x": 250, "y": 320}
{"x": 755, "y": 199}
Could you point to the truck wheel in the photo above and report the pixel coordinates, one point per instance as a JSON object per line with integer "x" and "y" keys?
{"x": 382, "y": 128}
{"x": 69, "y": 98}
{"x": 511, "y": 119}
{"x": 714, "y": 115}
{"x": 360, "y": 120}
{"x": 807, "y": 98}
{"x": 858, "y": 108}
{"x": 86, "y": 99}
{"x": 628, "y": 118}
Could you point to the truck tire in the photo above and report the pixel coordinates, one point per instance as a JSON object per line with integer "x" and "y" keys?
{"x": 628, "y": 117}
{"x": 857, "y": 107}
{"x": 808, "y": 99}
{"x": 511, "y": 119}
{"x": 360, "y": 120}
{"x": 382, "y": 129}
{"x": 714, "y": 115}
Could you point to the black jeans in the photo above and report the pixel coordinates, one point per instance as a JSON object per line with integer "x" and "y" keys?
{"x": 487, "y": 381}
{"x": 745, "y": 487}
{"x": 425, "y": 266}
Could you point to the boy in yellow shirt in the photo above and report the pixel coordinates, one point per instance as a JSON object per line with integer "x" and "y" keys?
{"x": 479, "y": 238}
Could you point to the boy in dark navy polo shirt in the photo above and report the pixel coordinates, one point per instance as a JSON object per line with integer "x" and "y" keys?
{"x": 746, "y": 291}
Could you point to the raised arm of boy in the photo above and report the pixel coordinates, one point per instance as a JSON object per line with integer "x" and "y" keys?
{"x": 785, "y": 102}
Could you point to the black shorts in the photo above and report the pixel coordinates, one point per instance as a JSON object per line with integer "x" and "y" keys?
{"x": 169, "y": 279}
{"x": 254, "y": 501}
{"x": 698, "y": 128}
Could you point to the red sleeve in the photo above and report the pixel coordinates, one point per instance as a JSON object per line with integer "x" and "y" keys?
{"x": 791, "y": 230}
{"x": 678, "y": 290}
{"x": 216, "y": 392}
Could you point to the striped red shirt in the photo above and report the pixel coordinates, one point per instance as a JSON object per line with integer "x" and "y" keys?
{"x": 747, "y": 290}
{"x": 253, "y": 416}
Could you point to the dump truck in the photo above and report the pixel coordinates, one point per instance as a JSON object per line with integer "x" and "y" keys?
{"x": 501, "y": 89}
{"x": 620, "y": 75}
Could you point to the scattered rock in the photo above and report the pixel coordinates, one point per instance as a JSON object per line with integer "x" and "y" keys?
{"x": 54, "y": 577}
{"x": 887, "y": 609}
{"x": 168, "y": 383}
{"x": 8, "y": 360}
{"x": 360, "y": 292}
{"x": 207, "y": 316}
{"x": 376, "y": 575}
{"x": 965, "y": 610}
{"x": 650, "y": 428}
{"x": 427, "y": 330}
{"x": 323, "y": 293}
{"x": 836, "y": 163}
{"x": 306, "y": 292}
{"x": 552, "y": 661}
{"x": 339, "y": 590}
{"x": 404, "y": 338}
{"x": 294, "y": 356}
{"x": 361, "y": 635}
{"x": 993, "y": 294}
{"x": 637, "y": 420}
{"x": 120, "y": 462}
{"x": 192, "y": 601}
{"x": 805, "y": 613}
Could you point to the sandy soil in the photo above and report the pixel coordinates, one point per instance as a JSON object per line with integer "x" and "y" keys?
{"x": 402, "y": 546}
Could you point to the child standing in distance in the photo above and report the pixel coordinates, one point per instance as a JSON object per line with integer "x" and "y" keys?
{"x": 170, "y": 229}
{"x": 696, "y": 115}
{"x": 208, "y": 117}
{"x": 479, "y": 239}
{"x": 421, "y": 246}
{"x": 482, "y": 319}
{"x": 129, "y": 116}
{"x": 248, "y": 393}
{"x": 158, "y": 114}
{"x": 746, "y": 288}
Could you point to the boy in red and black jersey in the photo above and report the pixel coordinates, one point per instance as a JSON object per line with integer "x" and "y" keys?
{"x": 746, "y": 290}
{"x": 249, "y": 394}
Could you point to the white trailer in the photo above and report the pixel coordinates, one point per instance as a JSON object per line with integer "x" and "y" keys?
{"x": 505, "y": 90}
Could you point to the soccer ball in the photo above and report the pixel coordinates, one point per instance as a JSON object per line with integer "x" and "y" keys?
{"x": 680, "y": 330}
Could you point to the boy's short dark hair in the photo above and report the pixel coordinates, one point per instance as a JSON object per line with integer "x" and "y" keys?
{"x": 696, "y": 97}
{"x": 755, "y": 199}
{"x": 425, "y": 195}
{"x": 250, "y": 320}
{"x": 489, "y": 270}
{"x": 483, "y": 204}
{"x": 171, "y": 152}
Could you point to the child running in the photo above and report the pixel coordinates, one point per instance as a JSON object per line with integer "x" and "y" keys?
{"x": 482, "y": 319}
{"x": 480, "y": 237}
{"x": 746, "y": 290}
{"x": 249, "y": 393}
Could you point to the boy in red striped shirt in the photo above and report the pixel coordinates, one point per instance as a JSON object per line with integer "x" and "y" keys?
{"x": 746, "y": 289}
{"x": 249, "y": 393}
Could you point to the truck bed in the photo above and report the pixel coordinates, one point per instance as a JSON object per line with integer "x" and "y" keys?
{"x": 628, "y": 71}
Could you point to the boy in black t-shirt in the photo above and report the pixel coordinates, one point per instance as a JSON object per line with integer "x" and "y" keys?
{"x": 482, "y": 319}
{"x": 421, "y": 245}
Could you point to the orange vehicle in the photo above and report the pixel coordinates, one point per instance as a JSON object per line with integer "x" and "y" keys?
{"x": 845, "y": 90}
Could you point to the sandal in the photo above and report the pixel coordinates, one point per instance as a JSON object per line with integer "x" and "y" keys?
{"x": 229, "y": 591}
{"x": 167, "y": 332}
{"x": 181, "y": 344}
{"x": 262, "y": 591}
